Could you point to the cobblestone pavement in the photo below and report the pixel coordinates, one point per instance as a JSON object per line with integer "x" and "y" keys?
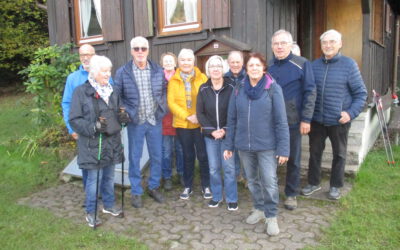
{"x": 191, "y": 224}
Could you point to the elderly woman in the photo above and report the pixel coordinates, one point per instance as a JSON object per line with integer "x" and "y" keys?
{"x": 258, "y": 128}
{"x": 212, "y": 111}
{"x": 183, "y": 88}
{"x": 169, "y": 140}
{"x": 95, "y": 116}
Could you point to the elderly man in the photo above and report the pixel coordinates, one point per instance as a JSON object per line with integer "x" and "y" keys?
{"x": 143, "y": 92}
{"x": 75, "y": 79}
{"x": 294, "y": 74}
{"x": 236, "y": 74}
{"x": 341, "y": 96}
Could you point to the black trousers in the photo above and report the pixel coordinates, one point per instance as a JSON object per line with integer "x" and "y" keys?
{"x": 338, "y": 136}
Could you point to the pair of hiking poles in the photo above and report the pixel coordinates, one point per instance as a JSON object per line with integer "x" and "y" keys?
{"x": 121, "y": 215}
{"x": 385, "y": 133}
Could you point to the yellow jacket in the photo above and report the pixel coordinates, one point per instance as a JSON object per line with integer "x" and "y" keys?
{"x": 177, "y": 99}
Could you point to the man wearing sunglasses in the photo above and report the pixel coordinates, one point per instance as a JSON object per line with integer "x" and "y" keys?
{"x": 141, "y": 83}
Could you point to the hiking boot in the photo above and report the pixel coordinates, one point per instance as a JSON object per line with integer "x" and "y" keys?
{"x": 310, "y": 189}
{"x": 290, "y": 203}
{"x": 168, "y": 184}
{"x": 213, "y": 203}
{"x": 255, "y": 216}
{"x": 113, "y": 211}
{"x": 156, "y": 195}
{"x": 185, "y": 195}
{"x": 207, "y": 193}
{"x": 136, "y": 201}
{"x": 90, "y": 220}
{"x": 334, "y": 193}
{"x": 232, "y": 206}
{"x": 272, "y": 226}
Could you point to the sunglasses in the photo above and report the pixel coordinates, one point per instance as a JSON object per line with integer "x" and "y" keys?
{"x": 143, "y": 49}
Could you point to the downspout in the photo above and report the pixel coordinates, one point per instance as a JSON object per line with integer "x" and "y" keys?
{"x": 396, "y": 60}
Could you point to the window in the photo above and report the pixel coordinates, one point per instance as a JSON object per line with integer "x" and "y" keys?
{"x": 377, "y": 22}
{"x": 88, "y": 25}
{"x": 179, "y": 16}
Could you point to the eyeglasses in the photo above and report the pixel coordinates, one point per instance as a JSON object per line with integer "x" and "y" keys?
{"x": 330, "y": 42}
{"x": 143, "y": 49}
{"x": 215, "y": 67}
{"x": 282, "y": 44}
{"x": 84, "y": 55}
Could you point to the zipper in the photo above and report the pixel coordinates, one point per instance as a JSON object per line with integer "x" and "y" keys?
{"x": 323, "y": 90}
{"x": 248, "y": 123}
{"x": 216, "y": 107}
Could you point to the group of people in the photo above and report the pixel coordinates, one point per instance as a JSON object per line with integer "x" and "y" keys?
{"x": 237, "y": 114}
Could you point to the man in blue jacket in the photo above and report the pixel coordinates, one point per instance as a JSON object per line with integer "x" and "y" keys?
{"x": 294, "y": 74}
{"x": 75, "y": 79}
{"x": 341, "y": 96}
{"x": 143, "y": 92}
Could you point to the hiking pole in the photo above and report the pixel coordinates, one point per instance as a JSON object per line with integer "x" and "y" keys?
{"x": 97, "y": 181}
{"x": 384, "y": 130}
{"x": 122, "y": 167}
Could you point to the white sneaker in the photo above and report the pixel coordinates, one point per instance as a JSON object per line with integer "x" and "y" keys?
{"x": 272, "y": 226}
{"x": 255, "y": 216}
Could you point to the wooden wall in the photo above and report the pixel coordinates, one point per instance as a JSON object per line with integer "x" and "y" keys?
{"x": 252, "y": 22}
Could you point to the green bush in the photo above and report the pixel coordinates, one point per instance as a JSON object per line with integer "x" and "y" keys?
{"x": 46, "y": 77}
{"x": 23, "y": 29}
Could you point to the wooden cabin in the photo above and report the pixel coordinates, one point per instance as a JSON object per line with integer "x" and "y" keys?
{"x": 370, "y": 31}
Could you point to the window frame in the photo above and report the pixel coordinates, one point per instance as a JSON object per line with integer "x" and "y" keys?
{"x": 175, "y": 29}
{"x": 377, "y": 27}
{"x": 97, "y": 39}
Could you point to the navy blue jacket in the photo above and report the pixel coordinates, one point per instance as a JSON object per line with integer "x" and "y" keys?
{"x": 258, "y": 125}
{"x": 126, "y": 83}
{"x": 295, "y": 76}
{"x": 235, "y": 80}
{"x": 339, "y": 88}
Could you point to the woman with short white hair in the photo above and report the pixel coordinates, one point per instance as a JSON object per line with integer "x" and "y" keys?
{"x": 182, "y": 98}
{"x": 212, "y": 111}
{"x": 95, "y": 115}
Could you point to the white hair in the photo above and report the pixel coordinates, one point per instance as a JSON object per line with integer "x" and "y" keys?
{"x": 282, "y": 31}
{"x": 219, "y": 61}
{"x": 139, "y": 40}
{"x": 336, "y": 34}
{"x": 98, "y": 62}
{"x": 187, "y": 52}
{"x": 237, "y": 53}
{"x": 296, "y": 49}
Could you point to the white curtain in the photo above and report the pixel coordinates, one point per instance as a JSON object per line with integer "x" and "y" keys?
{"x": 190, "y": 10}
{"x": 169, "y": 6}
{"x": 97, "y": 6}
{"x": 86, "y": 8}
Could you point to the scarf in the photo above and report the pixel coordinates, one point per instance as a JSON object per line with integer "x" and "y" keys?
{"x": 255, "y": 92}
{"x": 168, "y": 75}
{"x": 187, "y": 78}
{"x": 103, "y": 91}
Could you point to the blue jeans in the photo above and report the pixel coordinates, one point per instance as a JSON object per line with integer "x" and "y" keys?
{"x": 169, "y": 143}
{"x": 136, "y": 135}
{"x": 84, "y": 177}
{"x": 293, "y": 165}
{"x": 217, "y": 163}
{"x": 192, "y": 142}
{"x": 106, "y": 188}
{"x": 260, "y": 169}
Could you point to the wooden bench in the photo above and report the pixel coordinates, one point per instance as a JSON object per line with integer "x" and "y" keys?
{"x": 394, "y": 124}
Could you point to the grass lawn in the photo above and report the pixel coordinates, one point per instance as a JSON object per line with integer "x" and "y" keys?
{"x": 27, "y": 228}
{"x": 369, "y": 217}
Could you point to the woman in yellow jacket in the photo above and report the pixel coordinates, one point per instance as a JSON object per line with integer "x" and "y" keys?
{"x": 182, "y": 97}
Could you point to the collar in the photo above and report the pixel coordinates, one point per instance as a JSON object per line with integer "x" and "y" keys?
{"x": 135, "y": 67}
{"x": 282, "y": 61}
{"x": 333, "y": 59}
{"x": 240, "y": 76}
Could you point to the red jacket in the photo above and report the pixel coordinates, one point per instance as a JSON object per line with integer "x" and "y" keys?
{"x": 167, "y": 128}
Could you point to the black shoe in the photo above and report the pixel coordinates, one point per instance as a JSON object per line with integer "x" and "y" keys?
{"x": 310, "y": 189}
{"x": 232, "y": 206}
{"x": 136, "y": 201}
{"x": 185, "y": 195}
{"x": 168, "y": 184}
{"x": 90, "y": 220}
{"x": 156, "y": 195}
{"x": 213, "y": 203}
{"x": 207, "y": 193}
